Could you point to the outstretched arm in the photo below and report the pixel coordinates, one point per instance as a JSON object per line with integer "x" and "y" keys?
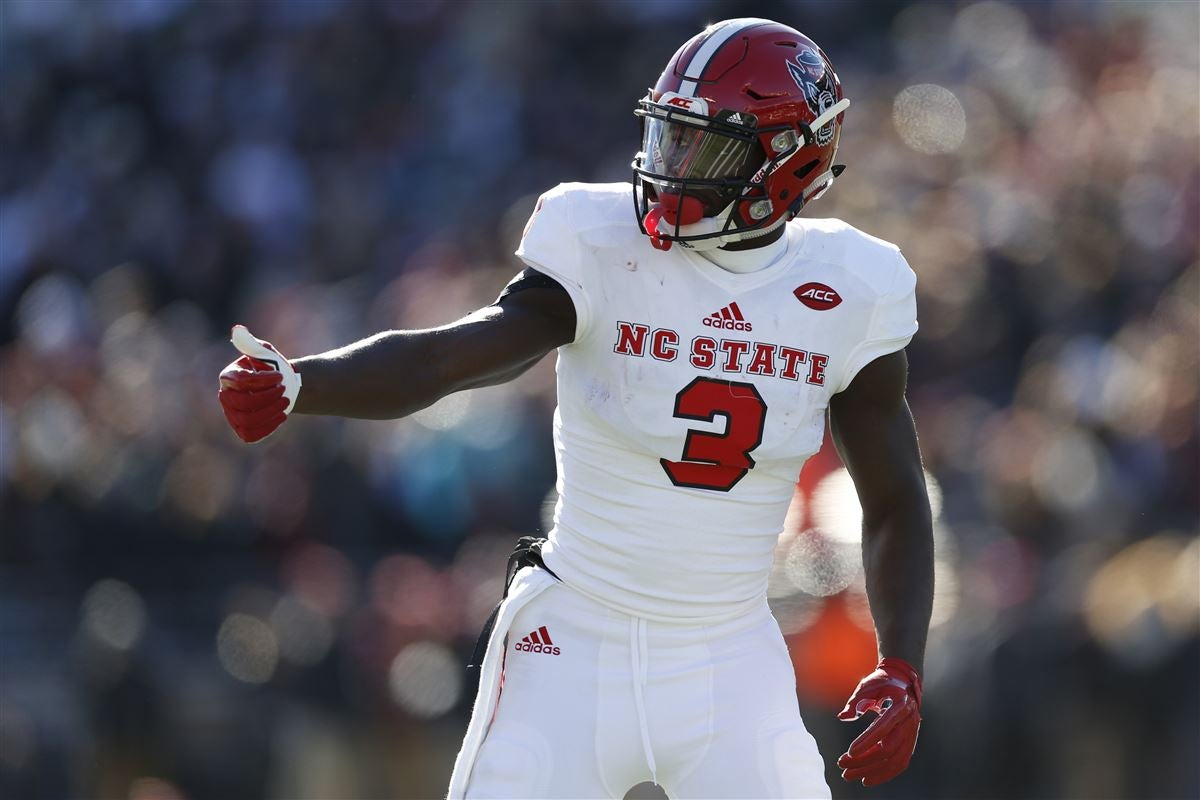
{"x": 395, "y": 373}
{"x": 874, "y": 433}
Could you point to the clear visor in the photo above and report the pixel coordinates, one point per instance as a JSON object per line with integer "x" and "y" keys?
{"x": 677, "y": 151}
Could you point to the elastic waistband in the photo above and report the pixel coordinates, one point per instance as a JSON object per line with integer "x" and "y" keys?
{"x": 735, "y": 620}
{"x": 578, "y": 583}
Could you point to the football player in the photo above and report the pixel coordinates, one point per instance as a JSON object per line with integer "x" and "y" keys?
{"x": 704, "y": 334}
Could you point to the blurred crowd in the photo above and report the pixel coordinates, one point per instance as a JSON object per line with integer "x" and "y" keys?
{"x": 183, "y": 616}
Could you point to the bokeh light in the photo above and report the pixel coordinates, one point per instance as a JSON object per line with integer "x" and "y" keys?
{"x": 1142, "y": 603}
{"x": 819, "y": 565}
{"x": 446, "y": 414}
{"x": 154, "y": 789}
{"x": 993, "y": 33}
{"x": 838, "y": 514}
{"x": 304, "y": 635}
{"x": 51, "y": 313}
{"x": 929, "y": 118}
{"x": 425, "y": 679}
{"x": 247, "y": 648}
{"x": 114, "y": 614}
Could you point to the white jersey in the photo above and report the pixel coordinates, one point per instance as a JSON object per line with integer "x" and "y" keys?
{"x": 691, "y": 396}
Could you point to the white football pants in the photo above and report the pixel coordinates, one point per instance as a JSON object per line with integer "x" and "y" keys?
{"x": 586, "y": 702}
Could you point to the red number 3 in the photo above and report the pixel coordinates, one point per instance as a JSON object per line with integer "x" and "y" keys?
{"x": 717, "y": 461}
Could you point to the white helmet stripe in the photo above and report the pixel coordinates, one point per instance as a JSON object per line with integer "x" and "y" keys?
{"x": 695, "y": 68}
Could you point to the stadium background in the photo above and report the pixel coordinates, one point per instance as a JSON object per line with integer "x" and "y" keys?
{"x": 182, "y": 616}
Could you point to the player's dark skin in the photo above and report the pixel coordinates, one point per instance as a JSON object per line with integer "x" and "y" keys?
{"x": 393, "y": 374}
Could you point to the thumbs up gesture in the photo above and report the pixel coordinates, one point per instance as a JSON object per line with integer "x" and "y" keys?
{"x": 259, "y": 389}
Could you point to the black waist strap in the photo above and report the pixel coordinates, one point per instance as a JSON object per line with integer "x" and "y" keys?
{"x": 527, "y": 553}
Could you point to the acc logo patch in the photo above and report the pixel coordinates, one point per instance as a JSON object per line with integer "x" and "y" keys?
{"x": 694, "y": 105}
{"x": 817, "y": 296}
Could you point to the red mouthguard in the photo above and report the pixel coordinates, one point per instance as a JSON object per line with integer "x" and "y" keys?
{"x": 675, "y": 209}
{"x": 687, "y": 209}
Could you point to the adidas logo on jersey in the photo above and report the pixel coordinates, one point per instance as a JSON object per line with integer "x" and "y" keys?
{"x": 728, "y": 318}
{"x": 538, "y": 642}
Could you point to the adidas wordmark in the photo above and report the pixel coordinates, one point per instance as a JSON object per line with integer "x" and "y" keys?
{"x": 538, "y": 642}
{"x": 728, "y": 318}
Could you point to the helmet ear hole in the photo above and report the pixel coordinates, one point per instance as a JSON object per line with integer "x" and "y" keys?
{"x": 802, "y": 173}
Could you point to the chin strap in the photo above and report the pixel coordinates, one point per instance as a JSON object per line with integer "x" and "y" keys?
{"x": 702, "y": 227}
{"x": 707, "y": 225}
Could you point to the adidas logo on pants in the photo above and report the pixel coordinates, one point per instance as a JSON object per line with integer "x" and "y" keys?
{"x": 538, "y": 642}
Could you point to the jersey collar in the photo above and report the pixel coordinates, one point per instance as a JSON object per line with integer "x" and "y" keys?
{"x": 744, "y": 282}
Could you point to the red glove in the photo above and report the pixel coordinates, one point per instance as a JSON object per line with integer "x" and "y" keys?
{"x": 883, "y": 750}
{"x": 258, "y": 390}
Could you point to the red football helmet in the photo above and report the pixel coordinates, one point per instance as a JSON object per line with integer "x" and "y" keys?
{"x": 739, "y": 133}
